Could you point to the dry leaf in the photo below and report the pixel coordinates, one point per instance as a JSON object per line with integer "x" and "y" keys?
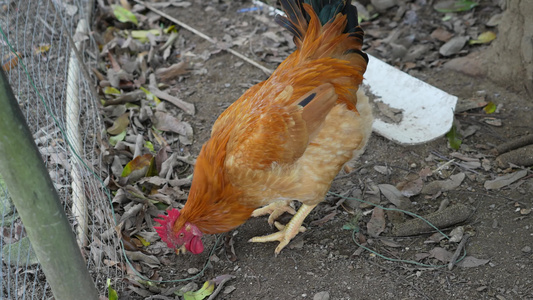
{"x": 166, "y": 122}
{"x": 138, "y": 163}
{"x": 394, "y": 196}
{"x": 471, "y": 262}
{"x": 376, "y": 225}
{"x": 410, "y": 188}
{"x": 150, "y": 260}
{"x": 456, "y": 235}
{"x": 441, "y": 34}
{"x": 172, "y": 72}
{"x": 437, "y": 186}
{"x": 383, "y": 170}
{"x": 120, "y": 124}
{"x": 441, "y": 254}
{"x": 504, "y": 180}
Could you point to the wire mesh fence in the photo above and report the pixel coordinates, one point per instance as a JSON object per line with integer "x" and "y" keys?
{"x": 55, "y": 93}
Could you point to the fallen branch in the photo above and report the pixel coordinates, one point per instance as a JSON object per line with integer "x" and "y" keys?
{"x": 514, "y": 144}
{"x": 204, "y": 36}
{"x": 441, "y": 219}
{"x": 521, "y": 157}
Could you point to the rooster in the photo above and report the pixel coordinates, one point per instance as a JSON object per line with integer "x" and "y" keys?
{"x": 285, "y": 138}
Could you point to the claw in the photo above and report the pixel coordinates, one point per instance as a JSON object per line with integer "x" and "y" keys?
{"x": 275, "y": 210}
{"x": 286, "y": 232}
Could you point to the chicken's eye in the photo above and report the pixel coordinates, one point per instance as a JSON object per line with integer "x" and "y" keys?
{"x": 181, "y": 235}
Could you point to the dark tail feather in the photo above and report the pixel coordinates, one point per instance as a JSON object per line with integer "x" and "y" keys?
{"x": 297, "y": 19}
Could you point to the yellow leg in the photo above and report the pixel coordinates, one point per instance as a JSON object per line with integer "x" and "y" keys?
{"x": 275, "y": 210}
{"x": 288, "y": 232}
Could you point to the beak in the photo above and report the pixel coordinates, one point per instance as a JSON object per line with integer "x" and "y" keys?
{"x": 181, "y": 249}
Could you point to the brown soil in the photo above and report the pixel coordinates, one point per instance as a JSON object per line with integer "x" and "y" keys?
{"x": 322, "y": 258}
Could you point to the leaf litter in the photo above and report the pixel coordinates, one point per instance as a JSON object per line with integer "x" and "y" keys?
{"x": 130, "y": 56}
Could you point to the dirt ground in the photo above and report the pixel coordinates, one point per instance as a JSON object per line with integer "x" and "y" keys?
{"x": 324, "y": 258}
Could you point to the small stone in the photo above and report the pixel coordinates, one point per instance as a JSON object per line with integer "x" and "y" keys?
{"x": 481, "y": 288}
{"x": 321, "y": 296}
{"x": 441, "y": 34}
{"x": 229, "y": 289}
{"x": 382, "y": 5}
{"x": 526, "y": 249}
{"x": 397, "y": 50}
{"x": 471, "y": 65}
{"x": 192, "y": 271}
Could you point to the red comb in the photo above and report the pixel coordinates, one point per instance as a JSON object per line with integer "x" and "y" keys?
{"x": 166, "y": 225}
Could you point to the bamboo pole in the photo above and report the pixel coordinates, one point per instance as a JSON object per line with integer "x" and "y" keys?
{"x": 38, "y": 204}
{"x": 79, "y": 205}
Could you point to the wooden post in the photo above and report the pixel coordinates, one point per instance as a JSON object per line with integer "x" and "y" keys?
{"x": 38, "y": 204}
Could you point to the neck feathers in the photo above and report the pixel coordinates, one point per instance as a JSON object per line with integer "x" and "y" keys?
{"x": 214, "y": 204}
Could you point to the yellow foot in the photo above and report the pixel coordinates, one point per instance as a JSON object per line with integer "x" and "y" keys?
{"x": 286, "y": 232}
{"x": 275, "y": 210}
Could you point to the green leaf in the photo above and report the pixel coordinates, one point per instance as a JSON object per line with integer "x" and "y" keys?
{"x": 142, "y": 240}
{"x": 349, "y": 226}
{"x": 485, "y": 37}
{"x": 124, "y": 15}
{"x": 206, "y": 290}
{"x": 161, "y": 206}
{"x": 149, "y": 145}
{"x": 150, "y": 96}
{"x": 353, "y": 224}
{"x": 454, "y": 138}
{"x": 455, "y": 6}
{"x": 447, "y": 17}
{"x": 170, "y": 29}
{"x": 152, "y": 168}
{"x": 490, "y": 108}
{"x": 111, "y": 293}
{"x": 109, "y": 90}
{"x": 117, "y": 138}
{"x": 142, "y": 35}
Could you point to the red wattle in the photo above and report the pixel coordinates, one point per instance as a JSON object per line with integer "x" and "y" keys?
{"x": 195, "y": 246}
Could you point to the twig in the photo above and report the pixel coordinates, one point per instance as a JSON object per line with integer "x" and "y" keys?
{"x": 204, "y": 36}
{"x": 183, "y": 105}
{"x": 220, "y": 285}
{"x": 52, "y": 30}
{"x": 458, "y": 251}
{"x": 452, "y": 161}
